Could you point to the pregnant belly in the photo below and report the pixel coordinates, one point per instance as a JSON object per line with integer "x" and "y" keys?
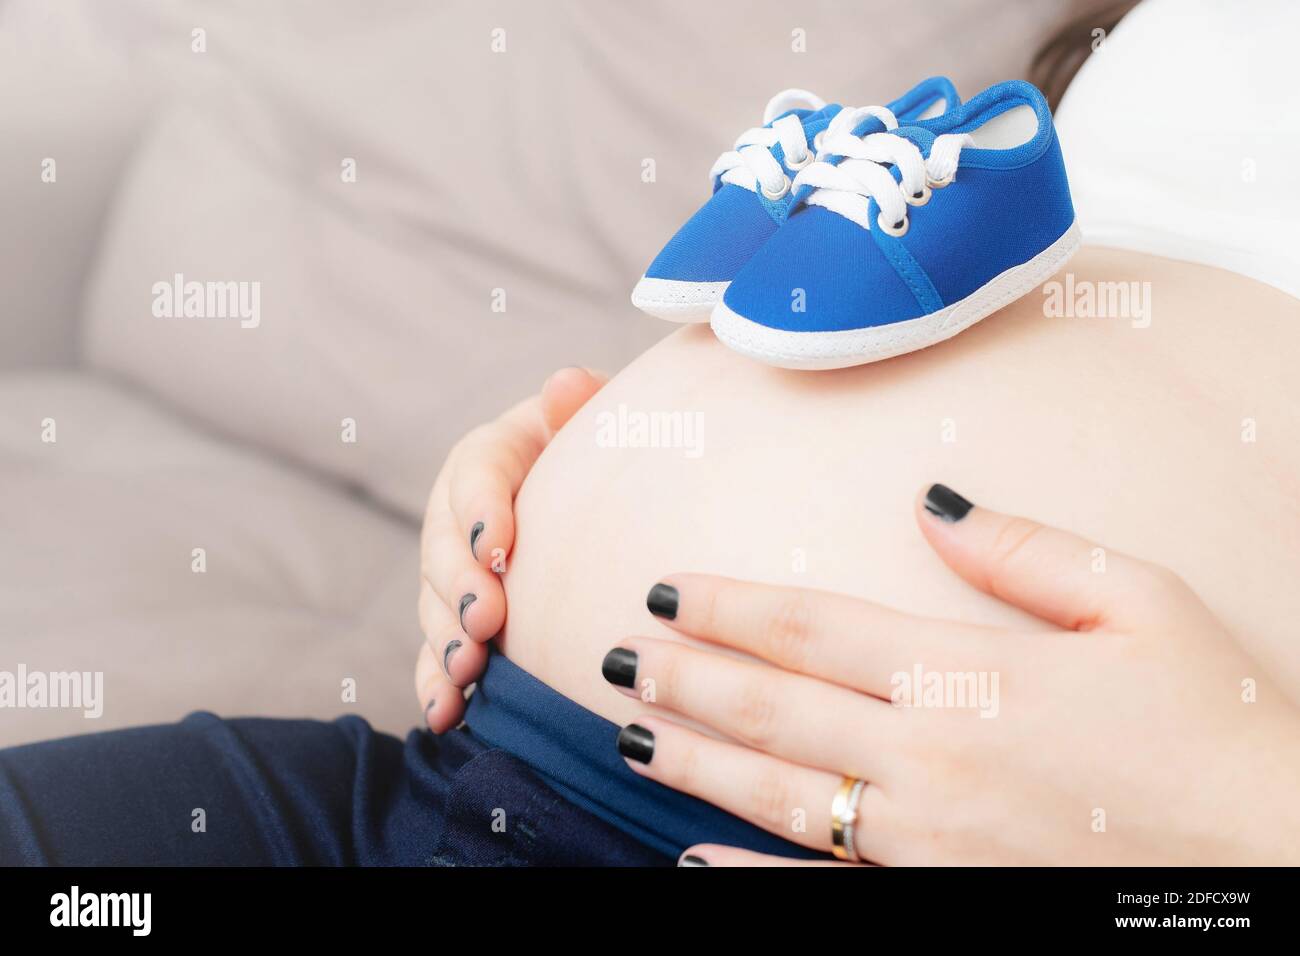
{"x": 1170, "y": 434}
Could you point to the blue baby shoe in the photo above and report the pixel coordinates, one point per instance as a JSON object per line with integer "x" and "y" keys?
{"x": 898, "y": 240}
{"x": 752, "y": 195}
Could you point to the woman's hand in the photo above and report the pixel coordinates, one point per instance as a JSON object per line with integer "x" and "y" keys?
{"x": 1130, "y": 729}
{"x": 469, "y": 528}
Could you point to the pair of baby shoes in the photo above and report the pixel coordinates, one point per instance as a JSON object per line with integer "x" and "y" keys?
{"x": 837, "y": 237}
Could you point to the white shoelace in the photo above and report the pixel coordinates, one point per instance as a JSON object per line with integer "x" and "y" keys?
{"x": 750, "y": 163}
{"x": 863, "y": 174}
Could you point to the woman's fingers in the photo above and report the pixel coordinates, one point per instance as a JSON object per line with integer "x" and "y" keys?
{"x": 461, "y": 660}
{"x": 491, "y": 463}
{"x": 786, "y": 799}
{"x": 474, "y": 593}
{"x": 798, "y": 718}
{"x": 493, "y": 460}
{"x": 467, "y": 532}
{"x": 833, "y": 637}
{"x": 442, "y": 703}
{"x": 1052, "y": 574}
{"x": 567, "y": 391}
{"x": 713, "y": 854}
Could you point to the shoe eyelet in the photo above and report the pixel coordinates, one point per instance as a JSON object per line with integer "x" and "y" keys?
{"x": 940, "y": 183}
{"x": 800, "y": 163}
{"x": 896, "y": 229}
{"x": 785, "y": 188}
{"x": 920, "y": 199}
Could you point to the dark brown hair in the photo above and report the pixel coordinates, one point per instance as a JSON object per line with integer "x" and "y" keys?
{"x": 1056, "y": 62}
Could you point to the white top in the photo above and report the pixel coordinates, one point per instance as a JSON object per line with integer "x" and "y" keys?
{"x": 1181, "y": 136}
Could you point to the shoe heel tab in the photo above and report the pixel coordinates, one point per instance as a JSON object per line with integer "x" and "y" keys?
{"x": 999, "y": 98}
{"x": 984, "y": 109}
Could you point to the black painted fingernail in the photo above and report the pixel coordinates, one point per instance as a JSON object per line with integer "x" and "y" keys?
{"x": 452, "y": 648}
{"x": 636, "y": 743}
{"x": 690, "y": 859}
{"x": 942, "y": 501}
{"x": 662, "y": 601}
{"x": 465, "y": 601}
{"x": 619, "y": 667}
{"x": 474, "y": 532}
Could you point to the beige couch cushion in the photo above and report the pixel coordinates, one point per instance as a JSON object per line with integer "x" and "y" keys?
{"x": 304, "y": 585}
{"x": 475, "y": 171}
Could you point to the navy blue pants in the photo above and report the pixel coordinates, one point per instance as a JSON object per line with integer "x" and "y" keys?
{"x": 208, "y": 791}
{"x": 533, "y": 779}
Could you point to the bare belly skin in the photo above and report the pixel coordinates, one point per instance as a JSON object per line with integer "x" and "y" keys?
{"x": 1178, "y": 442}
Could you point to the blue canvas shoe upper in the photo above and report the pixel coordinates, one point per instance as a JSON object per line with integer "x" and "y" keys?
{"x": 898, "y": 240}
{"x": 752, "y": 195}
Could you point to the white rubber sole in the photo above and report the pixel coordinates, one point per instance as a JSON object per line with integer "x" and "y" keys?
{"x": 826, "y": 350}
{"x": 678, "y": 301}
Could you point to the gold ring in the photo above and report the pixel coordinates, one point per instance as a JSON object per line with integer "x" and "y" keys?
{"x": 844, "y": 814}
